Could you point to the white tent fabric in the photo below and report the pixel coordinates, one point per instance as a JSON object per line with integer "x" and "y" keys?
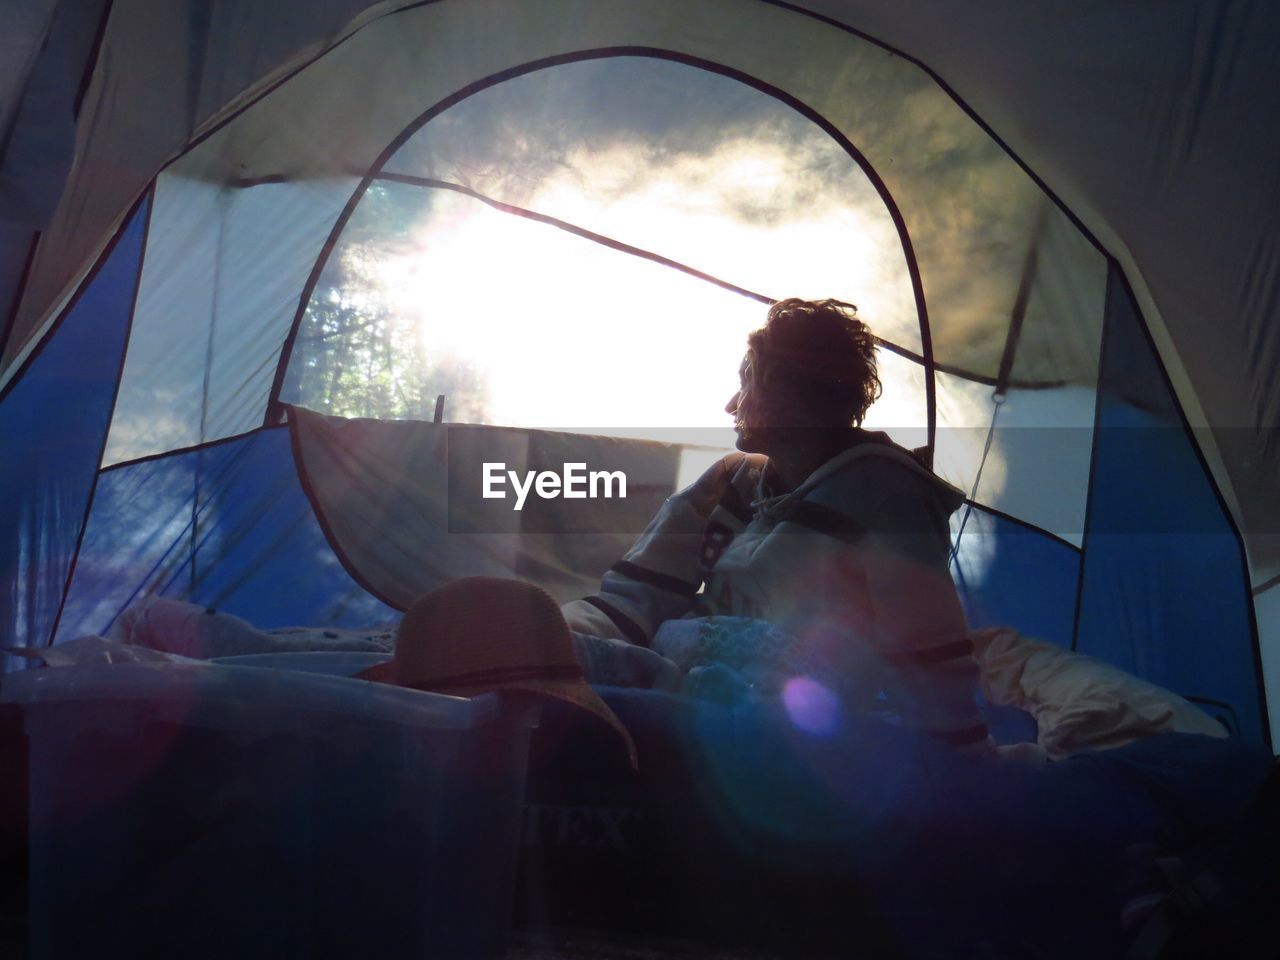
{"x": 1042, "y": 438}
{"x": 216, "y": 298}
{"x": 1149, "y": 125}
{"x": 384, "y": 491}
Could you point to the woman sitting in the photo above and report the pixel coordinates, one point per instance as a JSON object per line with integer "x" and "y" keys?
{"x": 834, "y": 534}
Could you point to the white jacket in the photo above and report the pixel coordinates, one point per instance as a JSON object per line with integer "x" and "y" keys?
{"x": 853, "y": 563}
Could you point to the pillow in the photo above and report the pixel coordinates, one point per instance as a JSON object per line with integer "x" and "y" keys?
{"x": 1079, "y": 703}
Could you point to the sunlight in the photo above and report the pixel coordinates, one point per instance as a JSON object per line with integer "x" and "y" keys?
{"x": 572, "y": 335}
{"x": 534, "y": 307}
{"x": 748, "y": 212}
{"x": 530, "y": 325}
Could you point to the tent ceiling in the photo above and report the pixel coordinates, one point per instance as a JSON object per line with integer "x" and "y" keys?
{"x": 25, "y": 30}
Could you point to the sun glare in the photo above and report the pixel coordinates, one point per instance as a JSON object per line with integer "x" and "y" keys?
{"x": 535, "y": 326}
{"x": 572, "y": 335}
{"x": 569, "y": 334}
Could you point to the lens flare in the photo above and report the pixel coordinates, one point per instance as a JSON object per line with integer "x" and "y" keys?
{"x": 811, "y": 706}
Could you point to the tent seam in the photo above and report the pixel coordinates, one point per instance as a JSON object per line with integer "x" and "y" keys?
{"x": 1026, "y": 524}
{"x": 623, "y": 247}
{"x": 193, "y": 448}
{"x": 95, "y": 52}
{"x": 31, "y": 350}
{"x": 148, "y": 198}
{"x": 11, "y": 320}
{"x": 582, "y": 232}
{"x": 1107, "y": 324}
{"x": 347, "y": 32}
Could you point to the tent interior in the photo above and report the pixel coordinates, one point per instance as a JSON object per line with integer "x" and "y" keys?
{"x": 246, "y": 248}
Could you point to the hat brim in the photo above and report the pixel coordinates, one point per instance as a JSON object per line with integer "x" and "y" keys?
{"x": 386, "y": 672}
{"x": 578, "y": 693}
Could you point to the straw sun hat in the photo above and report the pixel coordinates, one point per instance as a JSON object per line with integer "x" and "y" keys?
{"x": 489, "y": 635}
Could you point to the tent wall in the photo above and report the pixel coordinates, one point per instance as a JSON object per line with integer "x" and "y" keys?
{"x": 227, "y": 526}
{"x": 1144, "y": 120}
{"x": 187, "y": 60}
{"x": 1009, "y": 574}
{"x": 218, "y": 292}
{"x": 1021, "y": 452}
{"x": 1066, "y": 87}
{"x": 1267, "y": 614}
{"x": 971, "y": 219}
{"x": 46, "y": 48}
{"x": 1165, "y": 592}
{"x": 54, "y": 424}
{"x": 416, "y": 58}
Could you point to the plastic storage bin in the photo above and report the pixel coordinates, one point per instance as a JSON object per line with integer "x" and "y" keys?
{"x": 205, "y": 810}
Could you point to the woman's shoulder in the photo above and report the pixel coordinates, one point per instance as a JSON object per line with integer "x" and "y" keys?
{"x": 878, "y": 472}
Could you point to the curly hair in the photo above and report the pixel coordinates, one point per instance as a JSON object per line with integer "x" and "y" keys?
{"x": 822, "y": 353}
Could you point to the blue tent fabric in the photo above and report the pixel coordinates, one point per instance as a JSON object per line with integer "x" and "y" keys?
{"x": 54, "y": 423}
{"x": 1165, "y": 591}
{"x": 1008, "y": 574}
{"x": 227, "y": 526}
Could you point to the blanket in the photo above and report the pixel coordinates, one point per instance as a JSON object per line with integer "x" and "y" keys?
{"x": 1080, "y": 703}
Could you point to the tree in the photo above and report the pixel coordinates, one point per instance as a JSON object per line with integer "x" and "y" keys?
{"x": 356, "y": 355}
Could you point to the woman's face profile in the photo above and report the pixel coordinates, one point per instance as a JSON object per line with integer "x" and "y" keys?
{"x": 769, "y": 413}
{"x": 745, "y": 406}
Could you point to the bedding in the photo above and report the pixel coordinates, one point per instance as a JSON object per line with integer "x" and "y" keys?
{"x": 781, "y": 829}
{"x": 933, "y": 840}
{"x": 1080, "y": 703}
{"x": 190, "y": 630}
{"x": 1077, "y": 702}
